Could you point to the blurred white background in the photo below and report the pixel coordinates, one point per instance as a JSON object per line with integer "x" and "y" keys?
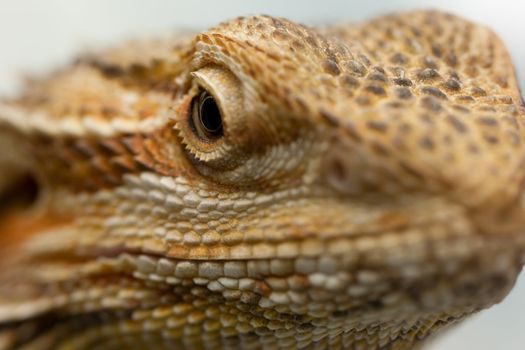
{"x": 37, "y": 35}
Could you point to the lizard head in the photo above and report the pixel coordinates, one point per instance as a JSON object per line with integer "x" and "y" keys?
{"x": 349, "y": 176}
{"x": 397, "y": 156}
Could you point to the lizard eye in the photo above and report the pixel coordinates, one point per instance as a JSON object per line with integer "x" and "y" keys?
{"x": 205, "y": 117}
{"x": 206, "y": 123}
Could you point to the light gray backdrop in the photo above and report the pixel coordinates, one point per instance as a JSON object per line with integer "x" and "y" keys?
{"x": 37, "y": 35}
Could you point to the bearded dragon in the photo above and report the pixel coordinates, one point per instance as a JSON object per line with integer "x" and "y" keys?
{"x": 264, "y": 185}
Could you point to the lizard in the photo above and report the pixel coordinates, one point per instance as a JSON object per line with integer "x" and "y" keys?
{"x": 264, "y": 184}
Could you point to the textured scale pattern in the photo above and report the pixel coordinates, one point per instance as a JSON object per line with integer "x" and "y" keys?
{"x": 366, "y": 191}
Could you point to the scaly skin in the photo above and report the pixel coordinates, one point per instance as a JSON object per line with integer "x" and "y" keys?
{"x": 366, "y": 190}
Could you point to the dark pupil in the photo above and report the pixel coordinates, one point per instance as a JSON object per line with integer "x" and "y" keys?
{"x": 209, "y": 114}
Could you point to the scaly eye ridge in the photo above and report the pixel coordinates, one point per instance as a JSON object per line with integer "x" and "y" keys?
{"x": 206, "y": 118}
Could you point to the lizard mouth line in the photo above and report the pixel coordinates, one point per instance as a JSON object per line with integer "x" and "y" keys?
{"x": 370, "y": 284}
{"x": 412, "y": 256}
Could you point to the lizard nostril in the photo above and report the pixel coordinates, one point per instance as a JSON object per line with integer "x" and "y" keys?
{"x": 340, "y": 174}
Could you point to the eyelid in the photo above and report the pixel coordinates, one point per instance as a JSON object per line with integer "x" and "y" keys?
{"x": 224, "y": 152}
{"x": 223, "y": 86}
